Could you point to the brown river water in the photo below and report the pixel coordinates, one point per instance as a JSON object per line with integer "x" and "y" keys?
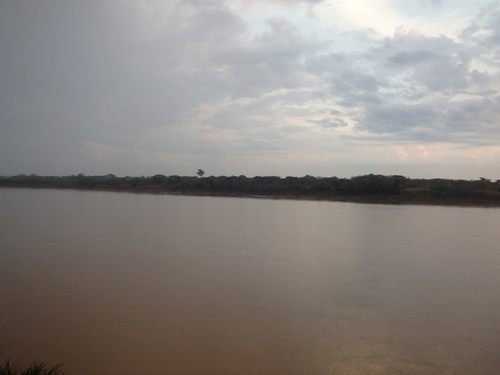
{"x": 119, "y": 283}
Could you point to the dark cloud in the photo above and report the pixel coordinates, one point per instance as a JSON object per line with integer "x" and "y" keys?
{"x": 409, "y": 58}
{"x": 435, "y": 63}
{"x": 398, "y": 117}
{"x": 330, "y": 122}
{"x": 483, "y": 32}
{"x": 348, "y": 83}
{"x": 269, "y": 61}
{"x": 447, "y": 120}
{"x": 289, "y": 3}
{"x": 479, "y": 116}
{"x": 491, "y": 24}
{"x": 425, "y": 74}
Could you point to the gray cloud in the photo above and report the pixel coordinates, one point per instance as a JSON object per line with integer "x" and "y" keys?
{"x": 83, "y": 82}
{"x": 398, "y": 117}
{"x": 426, "y": 75}
{"x": 435, "y": 63}
{"x": 472, "y": 120}
{"x": 484, "y": 33}
{"x": 348, "y": 83}
{"x": 330, "y": 122}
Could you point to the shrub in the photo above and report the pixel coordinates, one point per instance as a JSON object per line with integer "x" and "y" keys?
{"x": 37, "y": 368}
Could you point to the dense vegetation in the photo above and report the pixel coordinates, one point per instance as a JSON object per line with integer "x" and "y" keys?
{"x": 372, "y": 188}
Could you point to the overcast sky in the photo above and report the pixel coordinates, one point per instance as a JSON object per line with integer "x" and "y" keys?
{"x": 261, "y": 87}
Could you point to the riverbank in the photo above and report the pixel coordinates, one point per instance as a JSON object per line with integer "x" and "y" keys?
{"x": 410, "y": 197}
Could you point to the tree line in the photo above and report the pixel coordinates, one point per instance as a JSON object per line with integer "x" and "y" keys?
{"x": 308, "y": 186}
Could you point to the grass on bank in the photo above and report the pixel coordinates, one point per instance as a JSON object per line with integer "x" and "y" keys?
{"x": 37, "y": 368}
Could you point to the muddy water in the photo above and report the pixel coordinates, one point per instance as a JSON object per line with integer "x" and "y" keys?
{"x": 116, "y": 283}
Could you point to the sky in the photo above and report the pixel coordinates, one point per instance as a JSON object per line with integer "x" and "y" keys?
{"x": 262, "y": 87}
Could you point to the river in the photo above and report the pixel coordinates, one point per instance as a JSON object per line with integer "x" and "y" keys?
{"x": 121, "y": 283}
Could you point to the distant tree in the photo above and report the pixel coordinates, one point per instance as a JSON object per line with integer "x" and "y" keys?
{"x": 200, "y": 172}
{"x": 159, "y": 179}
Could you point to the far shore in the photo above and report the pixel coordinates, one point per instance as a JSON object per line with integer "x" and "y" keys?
{"x": 405, "y": 198}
